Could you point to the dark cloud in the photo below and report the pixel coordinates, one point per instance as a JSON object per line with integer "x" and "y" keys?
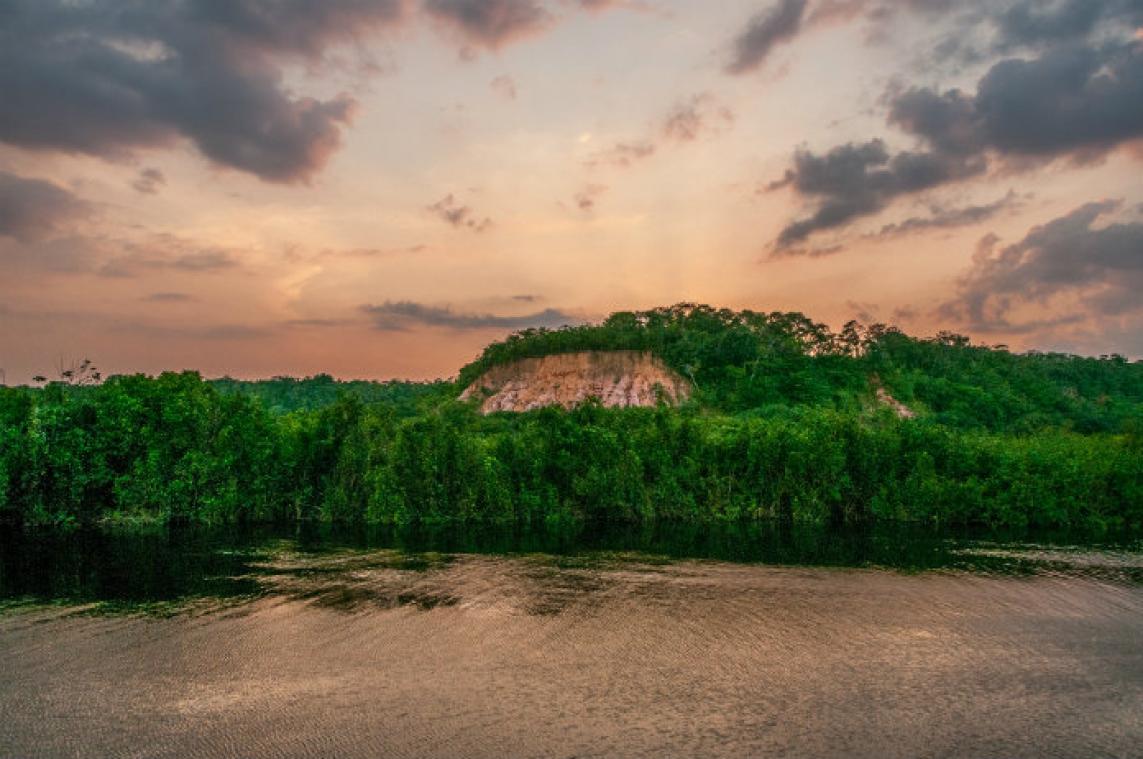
{"x": 462, "y": 217}
{"x": 769, "y": 28}
{"x": 693, "y": 117}
{"x": 1034, "y": 23}
{"x": 106, "y": 77}
{"x": 973, "y": 30}
{"x": 1072, "y": 100}
{"x": 490, "y": 24}
{"x": 789, "y": 18}
{"x": 402, "y": 315}
{"x": 1029, "y": 23}
{"x": 979, "y": 30}
{"x": 31, "y": 209}
{"x": 950, "y": 218}
{"x": 1101, "y": 267}
{"x": 1076, "y": 101}
{"x": 297, "y": 26}
{"x": 149, "y": 181}
{"x": 622, "y": 154}
{"x": 857, "y": 180}
{"x": 802, "y": 251}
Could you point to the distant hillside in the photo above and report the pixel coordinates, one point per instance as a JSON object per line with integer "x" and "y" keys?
{"x": 747, "y": 361}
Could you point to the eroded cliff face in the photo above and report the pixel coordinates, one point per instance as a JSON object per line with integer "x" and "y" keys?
{"x": 616, "y": 378}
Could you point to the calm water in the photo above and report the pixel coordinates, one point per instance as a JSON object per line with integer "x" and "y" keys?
{"x": 743, "y": 642}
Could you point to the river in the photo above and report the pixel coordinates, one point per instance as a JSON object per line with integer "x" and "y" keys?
{"x": 732, "y": 641}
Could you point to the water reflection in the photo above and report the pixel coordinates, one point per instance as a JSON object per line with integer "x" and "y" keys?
{"x": 748, "y": 640}
{"x": 162, "y": 569}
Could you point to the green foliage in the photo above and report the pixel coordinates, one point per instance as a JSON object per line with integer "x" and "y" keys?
{"x": 785, "y": 425}
{"x": 741, "y": 361}
{"x": 285, "y": 394}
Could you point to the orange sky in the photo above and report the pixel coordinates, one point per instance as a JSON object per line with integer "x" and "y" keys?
{"x": 535, "y": 162}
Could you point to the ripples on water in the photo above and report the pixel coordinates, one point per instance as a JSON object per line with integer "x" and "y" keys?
{"x": 696, "y": 641}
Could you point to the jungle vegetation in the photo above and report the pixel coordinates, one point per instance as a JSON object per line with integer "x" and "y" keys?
{"x": 784, "y": 423}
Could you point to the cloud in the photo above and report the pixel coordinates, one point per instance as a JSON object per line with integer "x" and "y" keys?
{"x": 109, "y": 77}
{"x": 462, "y": 217}
{"x": 490, "y": 24}
{"x": 32, "y": 209}
{"x": 296, "y": 26}
{"x": 504, "y": 86}
{"x": 857, "y": 180}
{"x": 622, "y": 154}
{"x": 802, "y": 251}
{"x": 1069, "y": 101}
{"x": 402, "y": 315}
{"x": 1032, "y": 23}
{"x": 149, "y": 181}
{"x": 693, "y": 117}
{"x": 1099, "y": 267}
{"x": 165, "y": 252}
{"x": 168, "y": 297}
{"x": 585, "y": 198}
{"x": 688, "y": 120}
{"x": 865, "y": 313}
{"x": 766, "y": 30}
{"x": 1075, "y": 101}
{"x": 979, "y": 28}
{"x": 949, "y": 218}
{"x": 789, "y": 18}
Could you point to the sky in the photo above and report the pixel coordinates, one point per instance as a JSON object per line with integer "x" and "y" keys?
{"x": 379, "y": 188}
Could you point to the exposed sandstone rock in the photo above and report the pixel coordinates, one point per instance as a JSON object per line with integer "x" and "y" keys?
{"x": 900, "y": 409}
{"x": 616, "y": 378}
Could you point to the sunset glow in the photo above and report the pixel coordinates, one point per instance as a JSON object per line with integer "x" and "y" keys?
{"x": 377, "y": 188}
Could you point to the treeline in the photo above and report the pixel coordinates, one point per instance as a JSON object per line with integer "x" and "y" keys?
{"x": 785, "y": 423}
{"x": 175, "y": 448}
{"x": 284, "y": 394}
{"x": 746, "y": 361}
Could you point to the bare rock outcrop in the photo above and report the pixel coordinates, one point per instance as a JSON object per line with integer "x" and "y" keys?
{"x": 616, "y": 378}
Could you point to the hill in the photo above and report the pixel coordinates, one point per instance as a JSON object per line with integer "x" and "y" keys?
{"x": 752, "y": 362}
{"x": 784, "y": 419}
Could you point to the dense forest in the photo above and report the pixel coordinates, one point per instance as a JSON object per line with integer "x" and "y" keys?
{"x": 785, "y": 422}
